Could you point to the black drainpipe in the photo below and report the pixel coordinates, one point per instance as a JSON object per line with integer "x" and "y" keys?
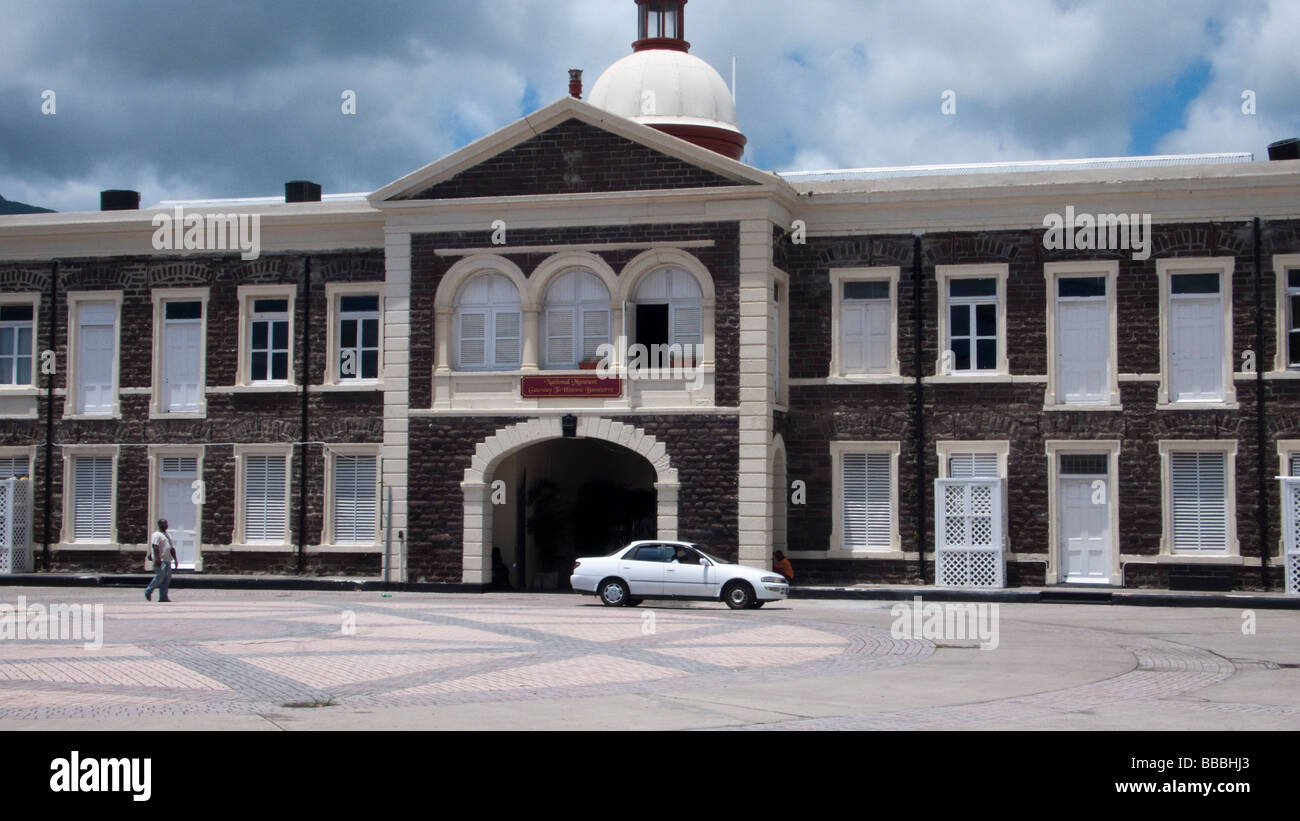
{"x": 918, "y": 410}
{"x": 49, "y": 419}
{"x": 306, "y": 377}
{"x": 1261, "y": 434}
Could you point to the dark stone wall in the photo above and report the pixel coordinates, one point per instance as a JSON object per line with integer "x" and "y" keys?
{"x": 703, "y": 448}
{"x": 722, "y": 261}
{"x": 573, "y": 158}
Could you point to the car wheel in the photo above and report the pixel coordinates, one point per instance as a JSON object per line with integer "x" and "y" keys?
{"x": 614, "y": 593}
{"x": 738, "y": 596}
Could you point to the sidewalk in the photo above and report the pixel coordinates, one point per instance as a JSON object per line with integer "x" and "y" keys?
{"x": 1017, "y": 595}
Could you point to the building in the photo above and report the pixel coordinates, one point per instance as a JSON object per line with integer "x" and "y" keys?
{"x": 402, "y": 381}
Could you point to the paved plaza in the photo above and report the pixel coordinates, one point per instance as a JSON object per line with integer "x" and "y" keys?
{"x": 225, "y": 659}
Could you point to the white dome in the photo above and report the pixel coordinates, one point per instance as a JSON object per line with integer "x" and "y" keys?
{"x": 687, "y": 90}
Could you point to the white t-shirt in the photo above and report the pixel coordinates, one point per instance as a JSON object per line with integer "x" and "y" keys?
{"x": 162, "y": 546}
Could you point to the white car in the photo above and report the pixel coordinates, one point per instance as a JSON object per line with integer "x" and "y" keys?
{"x": 658, "y": 569}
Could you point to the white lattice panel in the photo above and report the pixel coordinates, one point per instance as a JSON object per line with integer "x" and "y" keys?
{"x": 1291, "y": 532}
{"x": 15, "y": 526}
{"x": 970, "y": 525}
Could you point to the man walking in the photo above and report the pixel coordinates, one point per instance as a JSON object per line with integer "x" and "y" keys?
{"x": 163, "y": 554}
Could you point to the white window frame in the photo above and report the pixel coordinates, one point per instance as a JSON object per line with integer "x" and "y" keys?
{"x": 490, "y": 327}
{"x": 71, "y": 397}
{"x": 1053, "y": 272}
{"x": 247, "y": 295}
{"x": 68, "y": 534}
{"x": 160, "y": 297}
{"x": 1228, "y": 447}
{"x": 1166, "y": 268}
{"x": 1282, "y": 263}
{"x": 1054, "y": 449}
{"x": 328, "y": 536}
{"x": 27, "y": 453}
{"x": 674, "y": 305}
{"x": 579, "y": 325}
{"x": 242, "y": 452}
{"x": 1286, "y": 450}
{"x": 32, "y": 298}
{"x": 945, "y": 274}
{"x": 334, "y": 293}
{"x": 945, "y": 449}
{"x": 837, "y": 550}
{"x": 838, "y": 278}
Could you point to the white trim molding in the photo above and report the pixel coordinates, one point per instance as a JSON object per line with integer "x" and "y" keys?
{"x": 836, "y": 550}
{"x": 944, "y": 275}
{"x": 946, "y": 448}
{"x": 246, "y": 295}
{"x": 1282, "y": 263}
{"x": 334, "y": 292}
{"x": 1228, "y": 447}
{"x": 67, "y": 539}
{"x": 242, "y": 452}
{"x": 156, "y": 452}
{"x": 160, "y": 296}
{"x": 72, "y": 367}
{"x": 838, "y": 278}
{"x": 332, "y": 452}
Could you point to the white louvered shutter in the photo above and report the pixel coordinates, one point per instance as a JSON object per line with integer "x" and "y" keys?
{"x": 685, "y": 325}
{"x": 865, "y": 485}
{"x": 355, "y": 500}
{"x": 1293, "y": 465}
{"x": 508, "y": 338}
{"x": 973, "y": 465}
{"x": 265, "y": 511}
{"x": 96, "y": 356}
{"x": 1200, "y": 502}
{"x": 853, "y": 343}
{"x": 473, "y": 339}
{"x": 559, "y": 337}
{"x": 14, "y": 467}
{"x": 595, "y": 330}
{"x": 92, "y": 498}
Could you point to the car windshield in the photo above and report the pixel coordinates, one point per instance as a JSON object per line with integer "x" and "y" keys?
{"x": 711, "y": 557}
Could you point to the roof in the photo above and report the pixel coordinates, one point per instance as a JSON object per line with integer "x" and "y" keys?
{"x": 958, "y": 169}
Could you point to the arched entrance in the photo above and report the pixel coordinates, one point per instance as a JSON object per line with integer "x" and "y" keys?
{"x": 542, "y": 498}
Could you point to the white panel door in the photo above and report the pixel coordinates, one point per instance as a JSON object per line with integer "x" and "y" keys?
{"x": 1196, "y": 349}
{"x": 181, "y": 351}
{"x": 1082, "y": 352}
{"x": 1085, "y": 531}
{"x": 96, "y": 342}
{"x": 176, "y": 505}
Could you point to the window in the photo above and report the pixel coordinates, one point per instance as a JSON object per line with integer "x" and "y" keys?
{"x": 489, "y": 324}
{"x": 93, "y": 333}
{"x": 264, "y": 496}
{"x": 17, "y": 343}
{"x": 354, "y": 334}
{"x": 972, "y": 320}
{"x": 179, "y": 339}
{"x": 90, "y": 511}
{"x": 1196, "y": 332}
{"x": 972, "y": 459}
{"x": 15, "y": 465}
{"x": 864, "y": 325}
{"x": 1081, "y": 333}
{"x": 575, "y": 319}
{"x": 266, "y": 338}
{"x": 1200, "y": 490}
{"x": 866, "y": 497}
{"x": 667, "y": 310}
{"x": 354, "y": 498}
{"x": 1287, "y": 269}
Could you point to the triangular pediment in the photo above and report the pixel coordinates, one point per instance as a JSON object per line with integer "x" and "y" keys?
{"x": 572, "y": 147}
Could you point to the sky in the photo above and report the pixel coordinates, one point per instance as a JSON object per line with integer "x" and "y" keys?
{"x": 180, "y": 99}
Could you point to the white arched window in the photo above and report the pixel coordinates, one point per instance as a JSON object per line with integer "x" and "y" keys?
{"x": 668, "y": 312}
{"x": 488, "y": 324}
{"x": 576, "y": 318}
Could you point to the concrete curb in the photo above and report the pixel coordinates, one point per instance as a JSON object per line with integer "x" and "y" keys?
{"x": 1146, "y": 598}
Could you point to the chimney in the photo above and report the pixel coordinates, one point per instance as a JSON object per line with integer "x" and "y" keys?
{"x": 119, "y": 200}
{"x": 575, "y": 83}
{"x": 301, "y": 191}
{"x": 1284, "y": 149}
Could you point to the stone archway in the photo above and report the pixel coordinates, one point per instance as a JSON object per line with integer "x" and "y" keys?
{"x": 476, "y": 486}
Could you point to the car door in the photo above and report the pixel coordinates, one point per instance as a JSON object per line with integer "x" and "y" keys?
{"x": 688, "y": 578}
{"x": 643, "y": 568}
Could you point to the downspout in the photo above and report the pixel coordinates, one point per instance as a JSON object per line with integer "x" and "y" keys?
{"x": 49, "y": 419}
{"x": 302, "y": 440}
{"x": 1261, "y": 433}
{"x": 918, "y": 409}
